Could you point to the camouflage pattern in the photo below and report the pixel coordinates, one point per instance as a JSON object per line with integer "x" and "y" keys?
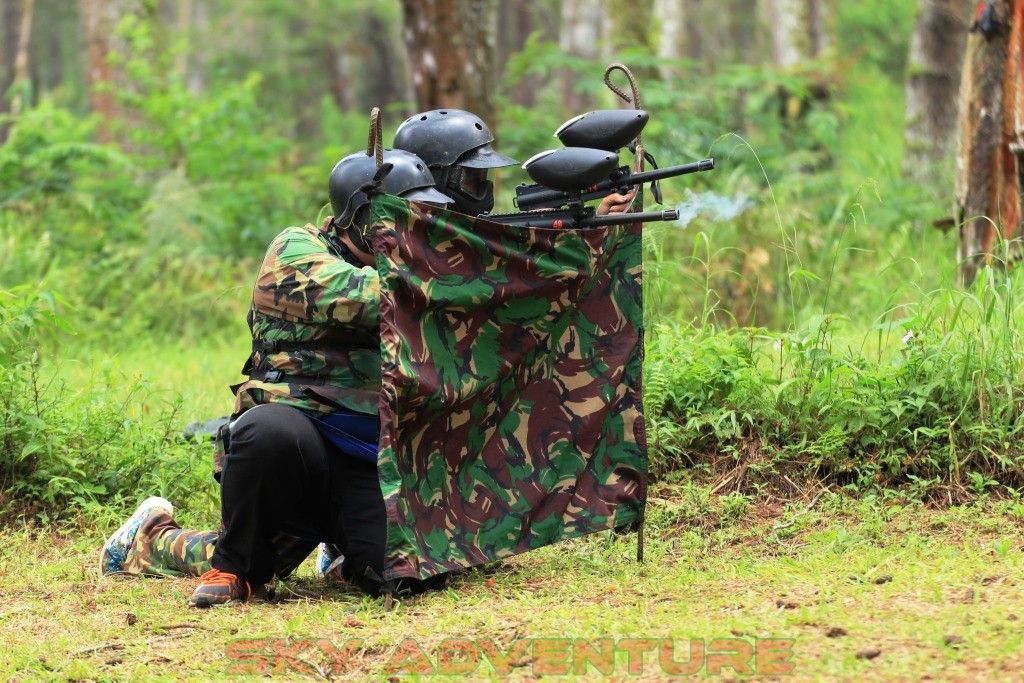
{"x": 162, "y": 548}
{"x": 306, "y": 291}
{"x": 511, "y": 413}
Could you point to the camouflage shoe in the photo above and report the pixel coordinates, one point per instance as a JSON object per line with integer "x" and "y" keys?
{"x": 217, "y": 588}
{"x": 115, "y": 550}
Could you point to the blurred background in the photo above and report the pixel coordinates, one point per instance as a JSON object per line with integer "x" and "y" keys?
{"x": 205, "y": 125}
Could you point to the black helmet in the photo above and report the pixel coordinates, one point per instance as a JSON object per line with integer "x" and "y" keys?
{"x": 450, "y": 140}
{"x": 443, "y": 137}
{"x": 409, "y": 178}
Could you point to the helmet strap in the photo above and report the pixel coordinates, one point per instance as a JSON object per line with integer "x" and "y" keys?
{"x": 355, "y": 239}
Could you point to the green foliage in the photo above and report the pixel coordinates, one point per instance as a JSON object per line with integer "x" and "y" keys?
{"x": 145, "y": 224}
{"x": 935, "y": 408}
{"x": 214, "y": 160}
{"x": 877, "y": 34}
{"x": 51, "y": 171}
{"x": 64, "y": 448}
{"x": 167, "y": 293}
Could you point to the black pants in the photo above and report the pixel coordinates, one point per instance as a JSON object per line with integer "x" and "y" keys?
{"x": 281, "y": 476}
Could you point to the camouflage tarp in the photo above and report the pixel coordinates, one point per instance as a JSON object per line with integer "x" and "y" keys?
{"x": 511, "y": 413}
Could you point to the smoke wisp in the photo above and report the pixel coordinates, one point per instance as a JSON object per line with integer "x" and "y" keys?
{"x": 714, "y": 206}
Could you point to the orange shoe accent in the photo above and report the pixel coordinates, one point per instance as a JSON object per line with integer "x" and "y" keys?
{"x": 217, "y": 588}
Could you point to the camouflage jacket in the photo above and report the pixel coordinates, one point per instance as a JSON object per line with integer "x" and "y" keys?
{"x": 314, "y": 298}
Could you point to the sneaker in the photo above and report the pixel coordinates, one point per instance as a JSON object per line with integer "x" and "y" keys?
{"x": 328, "y": 563}
{"x": 217, "y": 588}
{"x": 115, "y": 550}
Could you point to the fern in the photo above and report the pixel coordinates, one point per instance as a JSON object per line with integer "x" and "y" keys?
{"x": 656, "y": 387}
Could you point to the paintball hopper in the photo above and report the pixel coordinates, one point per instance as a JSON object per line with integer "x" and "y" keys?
{"x": 588, "y": 166}
{"x": 571, "y": 168}
{"x": 607, "y": 129}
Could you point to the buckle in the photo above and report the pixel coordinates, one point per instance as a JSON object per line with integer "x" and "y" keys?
{"x": 272, "y": 376}
{"x": 270, "y": 346}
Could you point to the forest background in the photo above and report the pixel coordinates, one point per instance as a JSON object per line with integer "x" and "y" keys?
{"x": 804, "y": 321}
{"x": 833, "y": 416}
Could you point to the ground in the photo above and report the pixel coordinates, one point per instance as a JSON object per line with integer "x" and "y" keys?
{"x": 869, "y": 589}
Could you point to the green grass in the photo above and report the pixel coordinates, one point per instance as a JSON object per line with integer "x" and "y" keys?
{"x": 867, "y": 589}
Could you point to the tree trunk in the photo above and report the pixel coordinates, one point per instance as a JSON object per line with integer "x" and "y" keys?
{"x": 744, "y": 32}
{"x": 306, "y": 100}
{"x": 580, "y": 37}
{"x": 183, "y": 18}
{"x": 51, "y": 33}
{"x": 192, "y": 21}
{"x": 933, "y": 81}
{"x": 711, "y": 34}
{"x": 337, "y": 76}
{"x": 21, "y": 82}
{"x": 820, "y": 17}
{"x": 695, "y": 30}
{"x": 10, "y": 25}
{"x": 671, "y": 42}
{"x": 382, "y": 69}
{"x": 449, "y": 44}
{"x": 198, "y": 56}
{"x": 988, "y": 182}
{"x": 785, "y": 24}
{"x": 98, "y": 20}
{"x": 800, "y": 30}
{"x": 516, "y": 21}
{"x": 627, "y": 24}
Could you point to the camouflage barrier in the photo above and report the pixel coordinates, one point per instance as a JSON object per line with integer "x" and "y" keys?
{"x": 511, "y": 414}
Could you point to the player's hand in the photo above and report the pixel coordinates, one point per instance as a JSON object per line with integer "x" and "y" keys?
{"x": 615, "y": 203}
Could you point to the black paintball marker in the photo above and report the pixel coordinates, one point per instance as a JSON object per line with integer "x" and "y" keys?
{"x": 609, "y": 130}
{"x": 588, "y": 168}
{"x": 570, "y": 169}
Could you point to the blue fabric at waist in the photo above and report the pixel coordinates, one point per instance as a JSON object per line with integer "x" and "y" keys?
{"x": 353, "y": 433}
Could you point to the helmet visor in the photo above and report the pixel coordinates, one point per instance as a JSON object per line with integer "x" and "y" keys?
{"x": 427, "y": 194}
{"x": 484, "y": 157}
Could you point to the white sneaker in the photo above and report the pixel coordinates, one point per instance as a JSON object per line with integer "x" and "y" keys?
{"x": 115, "y": 550}
{"x": 328, "y": 565}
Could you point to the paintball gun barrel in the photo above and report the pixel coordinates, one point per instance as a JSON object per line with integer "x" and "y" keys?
{"x": 584, "y": 218}
{"x": 622, "y": 180}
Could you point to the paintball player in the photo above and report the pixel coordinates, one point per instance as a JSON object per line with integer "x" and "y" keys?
{"x": 300, "y": 460}
{"x": 456, "y": 145}
{"x": 299, "y": 467}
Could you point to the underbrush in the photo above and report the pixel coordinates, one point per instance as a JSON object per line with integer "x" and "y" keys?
{"x": 93, "y": 446}
{"x": 928, "y": 401}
